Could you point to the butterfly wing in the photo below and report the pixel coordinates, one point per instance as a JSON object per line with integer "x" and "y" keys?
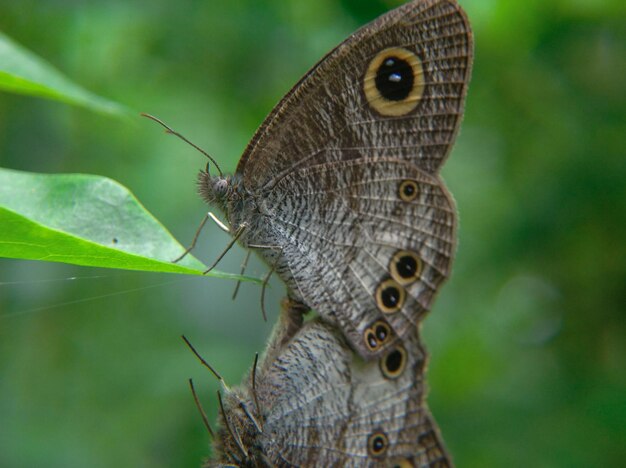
{"x": 332, "y": 113}
{"x": 360, "y": 254}
{"x": 324, "y": 406}
{"x": 344, "y": 172}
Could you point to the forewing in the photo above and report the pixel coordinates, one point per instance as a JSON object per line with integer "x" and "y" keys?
{"x": 334, "y": 113}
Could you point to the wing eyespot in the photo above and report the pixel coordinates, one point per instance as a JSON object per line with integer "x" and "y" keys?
{"x": 376, "y": 335}
{"x": 370, "y": 340}
{"x": 408, "y": 190}
{"x": 405, "y": 267}
{"x": 377, "y": 444}
{"x": 394, "y": 81}
{"x": 390, "y": 296}
{"x": 381, "y": 331}
{"x": 392, "y": 365}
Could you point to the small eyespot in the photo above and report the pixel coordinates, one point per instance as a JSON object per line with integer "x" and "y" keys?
{"x": 376, "y": 335}
{"x": 408, "y": 190}
{"x": 382, "y": 331}
{"x": 405, "y": 267}
{"x": 394, "y": 81}
{"x": 393, "y": 364}
{"x": 377, "y": 444}
{"x": 390, "y": 296}
{"x": 370, "y": 339}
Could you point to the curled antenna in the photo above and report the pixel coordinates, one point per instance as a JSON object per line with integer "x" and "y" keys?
{"x": 201, "y": 409}
{"x": 175, "y": 133}
{"x": 204, "y": 363}
{"x": 234, "y": 435}
{"x": 254, "y": 394}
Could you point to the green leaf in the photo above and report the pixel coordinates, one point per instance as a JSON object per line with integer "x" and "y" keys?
{"x": 85, "y": 220}
{"x": 23, "y": 72}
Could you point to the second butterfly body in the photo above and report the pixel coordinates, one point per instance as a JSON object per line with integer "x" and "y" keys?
{"x": 339, "y": 188}
{"x": 313, "y": 402}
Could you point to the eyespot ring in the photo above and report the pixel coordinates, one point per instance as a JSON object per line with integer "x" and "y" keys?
{"x": 377, "y": 444}
{"x": 392, "y": 365}
{"x": 394, "y": 81}
{"x": 405, "y": 267}
{"x": 408, "y": 190}
{"x": 390, "y": 296}
{"x": 376, "y": 335}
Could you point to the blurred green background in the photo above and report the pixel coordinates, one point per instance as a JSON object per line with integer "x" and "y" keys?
{"x": 528, "y": 338}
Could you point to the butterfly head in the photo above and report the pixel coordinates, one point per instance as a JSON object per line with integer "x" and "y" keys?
{"x": 215, "y": 190}
{"x": 239, "y": 429}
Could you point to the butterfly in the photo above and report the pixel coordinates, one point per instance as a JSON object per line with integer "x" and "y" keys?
{"x": 314, "y": 402}
{"x": 339, "y": 189}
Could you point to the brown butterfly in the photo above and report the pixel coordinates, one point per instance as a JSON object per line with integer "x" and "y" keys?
{"x": 314, "y": 402}
{"x": 339, "y": 188}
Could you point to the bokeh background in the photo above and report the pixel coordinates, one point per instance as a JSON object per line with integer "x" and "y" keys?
{"x": 527, "y": 339}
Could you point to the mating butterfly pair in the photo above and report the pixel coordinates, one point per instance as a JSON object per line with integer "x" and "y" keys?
{"x": 339, "y": 191}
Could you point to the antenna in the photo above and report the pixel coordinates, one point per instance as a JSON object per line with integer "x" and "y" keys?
{"x": 204, "y": 363}
{"x": 175, "y": 133}
{"x": 201, "y": 410}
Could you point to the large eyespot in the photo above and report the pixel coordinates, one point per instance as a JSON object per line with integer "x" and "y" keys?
{"x": 390, "y": 296}
{"x": 376, "y": 335}
{"x": 405, "y": 267}
{"x": 377, "y": 444}
{"x": 394, "y": 81}
{"x": 393, "y": 364}
{"x": 408, "y": 190}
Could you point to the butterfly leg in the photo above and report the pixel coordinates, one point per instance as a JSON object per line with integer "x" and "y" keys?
{"x": 228, "y": 247}
{"x": 267, "y": 277}
{"x": 197, "y": 234}
{"x": 244, "y": 265}
{"x": 194, "y": 241}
